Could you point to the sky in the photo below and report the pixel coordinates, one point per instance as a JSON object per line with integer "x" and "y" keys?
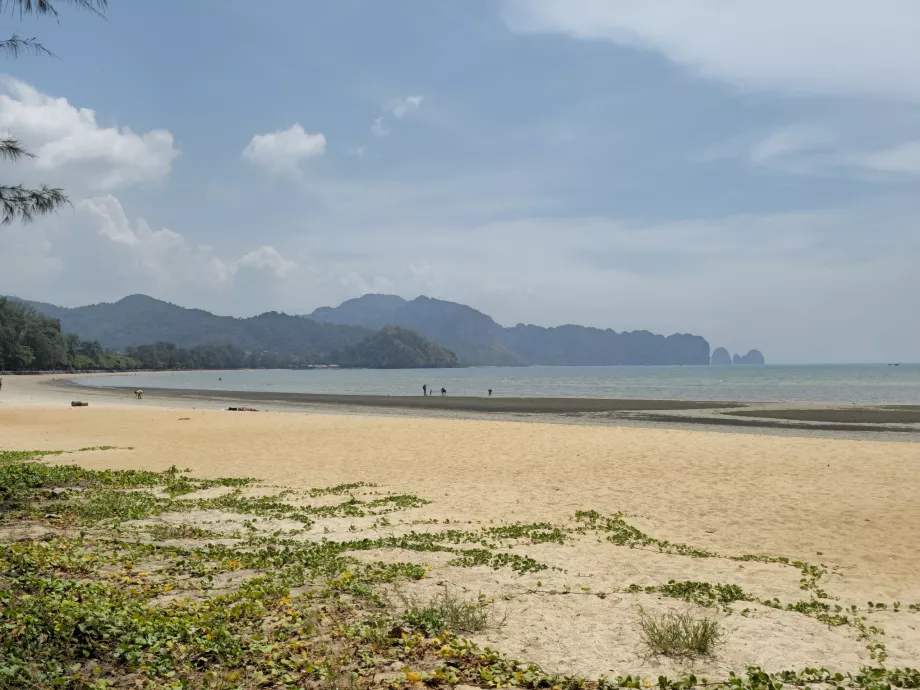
{"x": 744, "y": 171}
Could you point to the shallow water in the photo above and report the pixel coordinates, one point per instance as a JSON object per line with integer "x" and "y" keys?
{"x": 861, "y": 383}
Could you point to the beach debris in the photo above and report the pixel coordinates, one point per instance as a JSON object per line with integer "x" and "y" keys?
{"x": 79, "y": 403}
{"x": 241, "y": 409}
{"x": 184, "y": 419}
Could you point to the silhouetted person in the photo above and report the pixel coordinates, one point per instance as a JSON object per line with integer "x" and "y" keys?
{"x": 425, "y": 389}
{"x": 490, "y": 392}
{"x": 443, "y": 391}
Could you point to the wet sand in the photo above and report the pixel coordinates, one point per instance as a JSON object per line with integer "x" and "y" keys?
{"x": 442, "y": 402}
{"x": 886, "y": 422}
{"x": 761, "y": 419}
{"x": 889, "y": 414}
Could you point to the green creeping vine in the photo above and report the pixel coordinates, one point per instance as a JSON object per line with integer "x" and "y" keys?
{"x": 90, "y": 599}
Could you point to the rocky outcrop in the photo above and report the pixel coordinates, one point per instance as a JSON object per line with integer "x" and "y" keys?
{"x": 752, "y": 357}
{"x": 720, "y": 357}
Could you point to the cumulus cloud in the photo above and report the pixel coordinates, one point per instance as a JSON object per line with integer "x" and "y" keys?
{"x": 71, "y": 147}
{"x": 165, "y": 257}
{"x": 282, "y": 151}
{"x": 830, "y": 47}
{"x": 266, "y": 258}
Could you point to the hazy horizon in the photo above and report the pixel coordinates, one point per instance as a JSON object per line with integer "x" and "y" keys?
{"x": 713, "y": 346}
{"x": 734, "y": 171}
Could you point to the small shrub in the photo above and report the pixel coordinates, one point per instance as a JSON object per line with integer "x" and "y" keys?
{"x": 447, "y": 611}
{"x": 684, "y": 634}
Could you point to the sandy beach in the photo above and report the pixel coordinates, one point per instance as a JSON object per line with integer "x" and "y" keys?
{"x": 848, "y": 504}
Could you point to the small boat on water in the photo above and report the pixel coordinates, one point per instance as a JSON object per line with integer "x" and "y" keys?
{"x": 895, "y": 365}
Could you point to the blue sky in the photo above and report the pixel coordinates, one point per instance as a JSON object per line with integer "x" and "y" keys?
{"x": 745, "y": 172}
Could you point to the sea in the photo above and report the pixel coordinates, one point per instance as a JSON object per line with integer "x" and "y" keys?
{"x": 844, "y": 383}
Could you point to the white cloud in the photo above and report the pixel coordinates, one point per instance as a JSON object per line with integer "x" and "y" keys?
{"x": 816, "y": 150}
{"x": 397, "y": 109}
{"x": 379, "y": 129}
{"x": 830, "y": 47}
{"x": 73, "y": 150}
{"x": 266, "y": 258}
{"x": 283, "y": 151}
{"x": 400, "y": 107}
{"x": 165, "y": 257}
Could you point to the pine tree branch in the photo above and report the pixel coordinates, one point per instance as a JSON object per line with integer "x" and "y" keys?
{"x": 12, "y": 150}
{"x": 47, "y": 7}
{"x": 15, "y": 45}
{"x": 19, "y": 203}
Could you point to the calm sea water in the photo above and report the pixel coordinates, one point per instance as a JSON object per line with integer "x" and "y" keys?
{"x": 828, "y": 383}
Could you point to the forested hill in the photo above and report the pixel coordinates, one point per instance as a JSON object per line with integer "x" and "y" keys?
{"x": 32, "y": 340}
{"x": 478, "y": 339}
{"x": 141, "y": 320}
{"x": 396, "y": 348}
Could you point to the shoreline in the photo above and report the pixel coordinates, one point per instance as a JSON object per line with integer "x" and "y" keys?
{"x": 494, "y": 404}
{"x": 852, "y": 422}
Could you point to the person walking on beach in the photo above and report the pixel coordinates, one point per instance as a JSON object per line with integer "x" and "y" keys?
{"x": 443, "y": 391}
{"x": 424, "y": 389}
{"x": 490, "y": 392}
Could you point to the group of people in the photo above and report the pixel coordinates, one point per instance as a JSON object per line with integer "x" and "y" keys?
{"x": 426, "y": 391}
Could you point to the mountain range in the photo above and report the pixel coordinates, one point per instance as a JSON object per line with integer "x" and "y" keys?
{"x": 475, "y": 337}
{"x": 142, "y": 320}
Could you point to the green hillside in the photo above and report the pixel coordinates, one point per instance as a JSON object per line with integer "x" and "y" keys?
{"x": 396, "y": 348}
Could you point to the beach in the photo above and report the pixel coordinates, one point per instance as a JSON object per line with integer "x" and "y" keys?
{"x": 849, "y": 504}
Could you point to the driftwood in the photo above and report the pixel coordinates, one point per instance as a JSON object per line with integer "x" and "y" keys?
{"x": 241, "y": 409}
{"x": 79, "y": 403}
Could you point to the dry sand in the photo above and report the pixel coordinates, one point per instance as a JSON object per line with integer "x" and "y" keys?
{"x": 855, "y": 502}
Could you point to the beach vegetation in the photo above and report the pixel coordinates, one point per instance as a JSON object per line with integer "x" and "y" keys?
{"x": 106, "y": 580}
{"x": 687, "y": 634}
{"x": 448, "y": 611}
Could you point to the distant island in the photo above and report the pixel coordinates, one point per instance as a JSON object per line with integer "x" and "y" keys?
{"x": 720, "y": 357}
{"x": 425, "y": 332}
{"x": 752, "y": 357}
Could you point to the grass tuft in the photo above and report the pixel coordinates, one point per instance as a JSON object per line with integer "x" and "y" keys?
{"x": 448, "y": 611}
{"x": 684, "y": 634}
